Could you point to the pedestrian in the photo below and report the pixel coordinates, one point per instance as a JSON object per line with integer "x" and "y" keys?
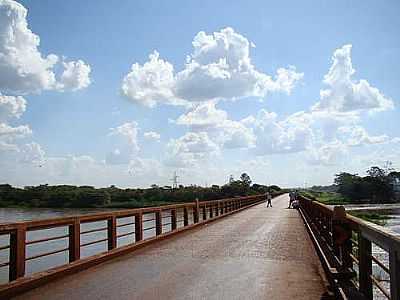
{"x": 269, "y": 198}
{"x": 291, "y": 198}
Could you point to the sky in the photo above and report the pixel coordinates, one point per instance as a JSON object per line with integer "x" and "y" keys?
{"x": 126, "y": 93}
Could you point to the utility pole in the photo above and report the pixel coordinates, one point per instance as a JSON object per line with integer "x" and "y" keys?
{"x": 175, "y": 181}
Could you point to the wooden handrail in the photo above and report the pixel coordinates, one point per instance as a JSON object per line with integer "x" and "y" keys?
{"x": 191, "y": 215}
{"x": 341, "y": 247}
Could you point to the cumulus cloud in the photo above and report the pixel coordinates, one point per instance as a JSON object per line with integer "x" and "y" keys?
{"x": 145, "y": 167}
{"x": 292, "y": 134}
{"x": 218, "y": 68}
{"x": 357, "y": 136}
{"x": 227, "y": 133}
{"x": 11, "y": 107}
{"x": 152, "y": 135}
{"x": 32, "y": 153}
{"x": 327, "y": 154}
{"x": 23, "y": 68}
{"x": 150, "y": 83}
{"x": 189, "y": 149}
{"x": 7, "y": 131}
{"x": 345, "y": 94}
{"x": 125, "y": 145}
{"x": 129, "y": 132}
{"x": 75, "y": 76}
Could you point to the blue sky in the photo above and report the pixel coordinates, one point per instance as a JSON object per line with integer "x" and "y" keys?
{"x": 87, "y": 117}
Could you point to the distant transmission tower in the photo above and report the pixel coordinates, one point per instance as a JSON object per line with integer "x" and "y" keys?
{"x": 175, "y": 181}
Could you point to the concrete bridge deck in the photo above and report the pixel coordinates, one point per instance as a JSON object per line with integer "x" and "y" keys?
{"x": 259, "y": 253}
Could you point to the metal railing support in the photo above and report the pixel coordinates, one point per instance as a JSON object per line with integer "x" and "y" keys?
{"x": 185, "y": 216}
{"x": 158, "y": 222}
{"x": 139, "y": 227}
{"x": 74, "y": 245}
{"x": 112, "y": 233}
{"x": 173, "y": 219}
{"x": 394, "y": 266}
{"x": 17, "y": 253}
{"x": 365, "y": 266}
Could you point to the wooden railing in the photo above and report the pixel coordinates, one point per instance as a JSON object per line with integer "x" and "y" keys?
{"x": 344, "y": 244}
{"x": 139, "y": 224}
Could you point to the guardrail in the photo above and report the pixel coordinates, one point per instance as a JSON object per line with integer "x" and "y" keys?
{"x": 144, "y": 225}
{"x": 344, "y": 244}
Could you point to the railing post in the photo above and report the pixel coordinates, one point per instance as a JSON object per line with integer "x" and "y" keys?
{"x": 138, "y": 227}
{"x": 217, "y": 209}
{"x": 185, "y": 216}
{"x": 17, "y": 253}
{"x": 341, "y": 235}
{"x": 196, "y": 212}
{"x": 365, "y": 266}
{"x": 205, "y": 212}
{"x": 226, "y": 206}
{"x": 173, "y": 219}
{"x": 112, "y": 233}
{"x": 158, "y": 222}
{"x": 394, "y": 267}
{"x": 74, "y": 233}
{"x": 211, "y": 211}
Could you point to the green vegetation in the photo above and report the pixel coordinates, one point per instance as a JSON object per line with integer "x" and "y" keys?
{"x": 371, "y": 216}
{"x": 379, "y": 186}
{"x": 376, "y": 187}
{"x": 329, "y": 198}
{"x": 87, "y": 196}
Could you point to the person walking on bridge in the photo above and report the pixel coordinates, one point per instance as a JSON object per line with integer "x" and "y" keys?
{"x": 269, "y": 198}
{"x": 291, "y": 198}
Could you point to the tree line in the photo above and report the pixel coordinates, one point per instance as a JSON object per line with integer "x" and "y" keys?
{"x": 61, "y": 196}
{"x": 379, "y": 185}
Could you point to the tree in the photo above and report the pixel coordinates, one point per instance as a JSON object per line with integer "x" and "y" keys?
{"x": 377, "y": 173}
{"x": 245, "y": 179}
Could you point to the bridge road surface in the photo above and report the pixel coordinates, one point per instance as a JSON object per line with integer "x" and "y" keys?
{"x": 259, "y": 253}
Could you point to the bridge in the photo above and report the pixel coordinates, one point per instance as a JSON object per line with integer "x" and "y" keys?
{"x": 223, "y": 249}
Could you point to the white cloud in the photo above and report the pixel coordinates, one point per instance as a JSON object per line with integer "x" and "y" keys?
{"x": 152, "y": 135}
{"x": 150, "y": 83}
{"x": 32, "y": 153}
{"x": 357, "y": 136}
{"x": 129, "y": 132}
{"x": 116, "y": 157}
{"x": 23, "y": 68}
{"x": 219, "y": 68}
{"x": 228, "y": 133}
{"x": 345, "y": 94}
{"x": 327, "y": 154}
{"x": 11, "y": 107}
{"x": 292, "y": 134}
{"x": 126, "y": 145}
{"x": 75, "y": 76}
{"x": 203, "y": 116}
{"x": 7, "y": 131}
{"x": 190, "y": 149}
{"x": 145, "y": 167}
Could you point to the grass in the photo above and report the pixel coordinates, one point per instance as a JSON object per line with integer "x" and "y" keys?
{"x": 371, "y": 216}
{"x": 331, "y": 198}
{"x": 328, "y": 198}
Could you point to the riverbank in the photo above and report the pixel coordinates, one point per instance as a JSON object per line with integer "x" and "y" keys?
{"x": 372, "y": 212}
